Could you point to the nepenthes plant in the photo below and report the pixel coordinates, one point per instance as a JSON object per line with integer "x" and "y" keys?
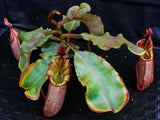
{"x": 105, "y": 89}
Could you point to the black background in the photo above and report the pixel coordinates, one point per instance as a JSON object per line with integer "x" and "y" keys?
{"x": 129, "y": 17}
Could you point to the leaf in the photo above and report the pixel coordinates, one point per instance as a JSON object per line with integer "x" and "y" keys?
{"x": 32, "y": 40}
{"x": 76, "y": 11}
{"x": 50, "y": 49}
{"x": 59, "y": 71}
{"x": 24, "y": 61}
{"x": 80, "y": 14}
{"x": 72, "y": 25}
{"x": 34, "y": 77}
{"x": 73, "y": 11}
{"x": 106, "y": 41}
{"x": 24, "y": 36}
{"x": 84, "y": 8}
{"x": 105, "y": 89}
{"x": 94, "y": 22}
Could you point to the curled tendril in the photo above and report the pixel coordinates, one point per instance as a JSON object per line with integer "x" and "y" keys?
{"x": 50, "y": 20}
{"x": 59, "y": 24}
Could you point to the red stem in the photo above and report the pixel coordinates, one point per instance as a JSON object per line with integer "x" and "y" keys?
{"x": 59, "y": 25}
{"x": 43, "y": 94}
{"x": 89, "y": 46}
{"x": 90, "y": 32}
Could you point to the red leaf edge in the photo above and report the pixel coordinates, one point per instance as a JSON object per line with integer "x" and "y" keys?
{"x": 126, "y": 101}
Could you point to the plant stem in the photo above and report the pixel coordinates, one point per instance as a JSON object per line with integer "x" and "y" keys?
{"x": 89, "y": 29}
{"x": 74, "y": 50}
{"x": 55, "y": 38}
{"x": 65, "y": 42}
{"x": 53, "y": 32}
{"x": 71, "y": 35}
{"x": 60, "y": 23}
{"x": 89, "y": 46}
{"x": 68, "y": 38}
{"x": 43, "y": 94}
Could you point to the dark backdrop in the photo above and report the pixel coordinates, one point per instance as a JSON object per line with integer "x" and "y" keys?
{"x": 129, "y": 17}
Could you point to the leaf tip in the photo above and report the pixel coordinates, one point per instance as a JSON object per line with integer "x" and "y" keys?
{"x": 34, "y": 98}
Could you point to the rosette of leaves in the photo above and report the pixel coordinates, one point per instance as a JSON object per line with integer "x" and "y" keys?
{"x": 105, "y": 89}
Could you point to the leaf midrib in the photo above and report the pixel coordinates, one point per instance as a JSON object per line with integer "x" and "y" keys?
{"x": 73, "y": 24}
{"x": 37, "y": 81}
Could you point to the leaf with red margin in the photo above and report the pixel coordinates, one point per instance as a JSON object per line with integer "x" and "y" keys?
{"x": 78, "y": 11}
{"x": 105, "y": 89}
{"x": 24, "y": 61}
{"x": 94, "y": 22}
{"x": 33, "y": 39}
{"x": 76, "y": 14}
{"x": 34, "y": 77}
{"x": 106, "y": 41}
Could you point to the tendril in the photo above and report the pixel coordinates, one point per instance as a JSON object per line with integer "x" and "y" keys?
{"x": 50, "y": 20}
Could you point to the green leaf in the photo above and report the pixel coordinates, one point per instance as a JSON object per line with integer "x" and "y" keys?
{"x": 24, "y": 36}
{"x": 32, "y": 40}
{"x": 24, "y": 61}
{"x": 34, "y": 77}
{"x": 105, "y": 89}
{"x": 76, "y": 11}
{"x": 106, "y": 41}
{"x": 72, "y": 25}
{"x": 73, "y": 11}
{"x": 94, "y": 22}
{"x": 50, "y": 49}
{"x": 84, "y": 8}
